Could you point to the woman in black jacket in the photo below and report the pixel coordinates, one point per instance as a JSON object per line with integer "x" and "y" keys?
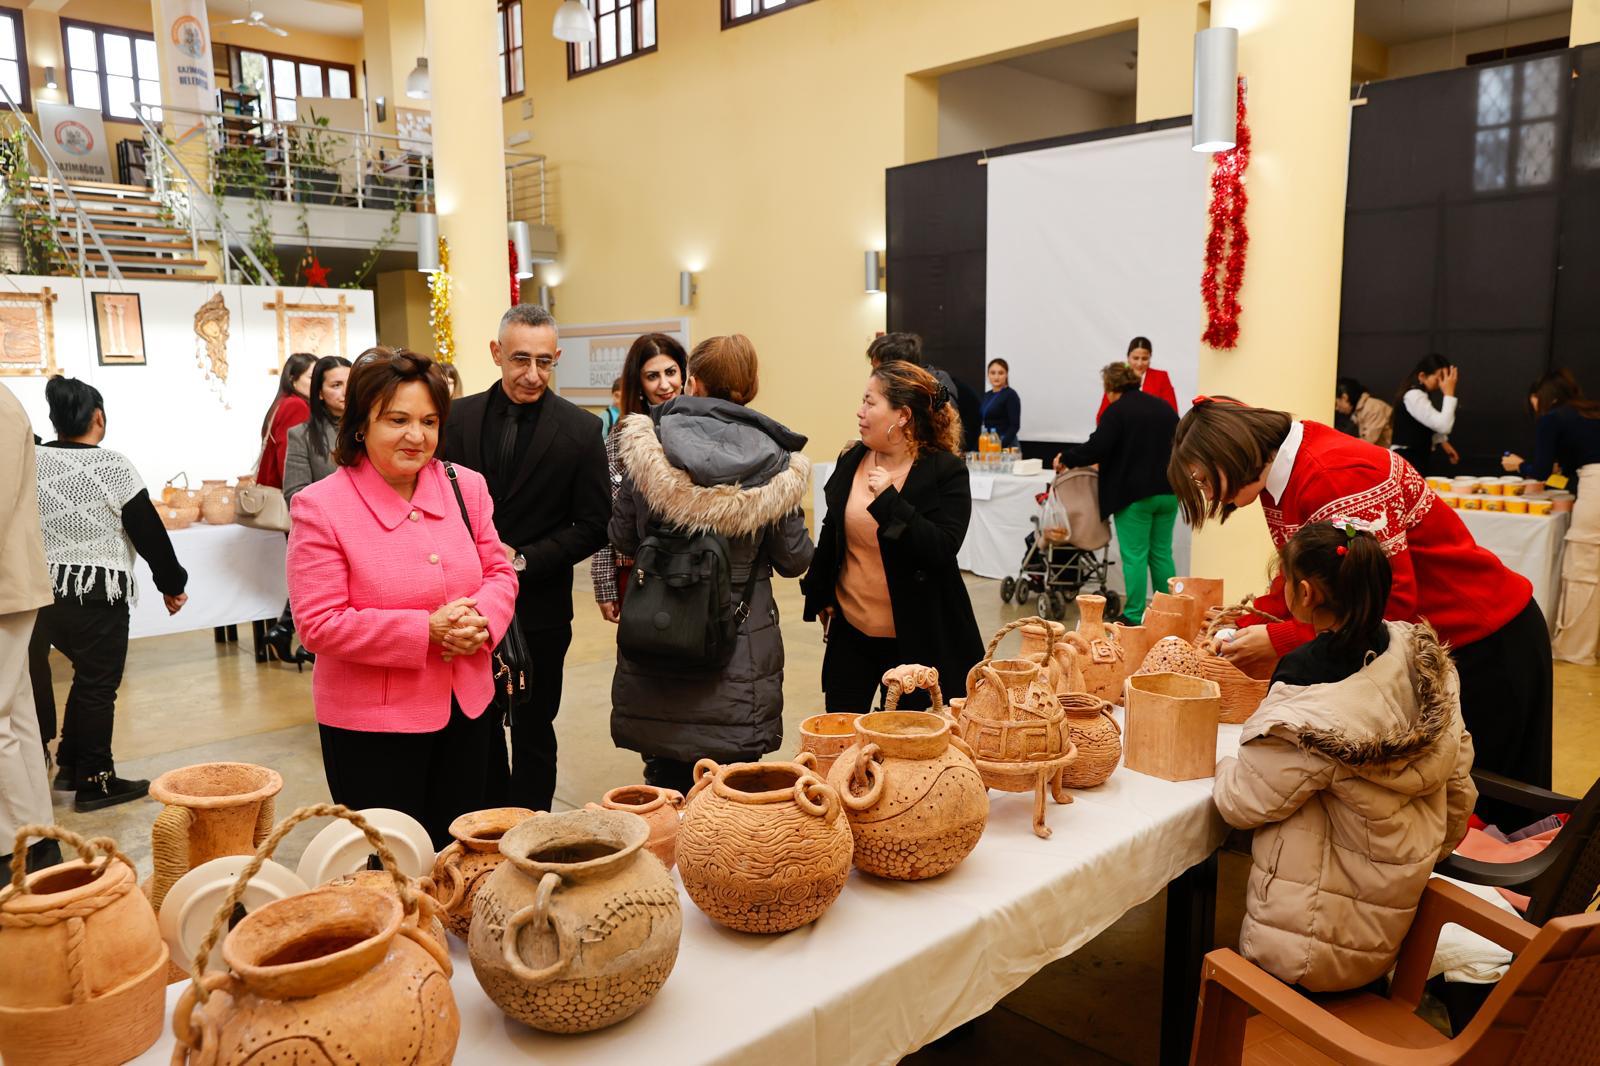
{"x": 884, "y": 581}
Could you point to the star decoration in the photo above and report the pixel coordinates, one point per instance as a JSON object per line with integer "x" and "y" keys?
{"x": 316, "y": 273}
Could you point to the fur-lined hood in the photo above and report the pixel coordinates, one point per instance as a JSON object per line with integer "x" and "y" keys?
{"x": 713, "y": 465}
{"x": 1391, "y": 723}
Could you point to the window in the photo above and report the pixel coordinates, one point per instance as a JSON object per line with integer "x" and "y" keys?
{"x": 14, "y": 58}
{"x": 735, "y": 12}
{"x": 1516, "y": 142}
{"x": 111, "y": 69}
{"x": 279, "y": 79}
{"x": 625, "y": 29}
{"x": 510, "y": 48}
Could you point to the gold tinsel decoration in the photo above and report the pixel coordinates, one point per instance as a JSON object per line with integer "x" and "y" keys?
{"x": 444, "y": 334}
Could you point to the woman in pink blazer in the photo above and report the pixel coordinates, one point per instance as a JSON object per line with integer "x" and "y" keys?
{"x": 400, "y": 602}
{"x": 1153, "y": 381}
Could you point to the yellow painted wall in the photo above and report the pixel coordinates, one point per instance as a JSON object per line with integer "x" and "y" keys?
{"x": 393, "y": 37}
{"x": 1450, "y": 51}
{"x": 1585, "y": 22}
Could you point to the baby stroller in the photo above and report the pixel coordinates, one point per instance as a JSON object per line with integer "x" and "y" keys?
{"x": 1068, "y": 550}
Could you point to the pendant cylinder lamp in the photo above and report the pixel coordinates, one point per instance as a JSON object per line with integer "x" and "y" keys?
{"x": 573, "y": 23}
{"x": 522, "y": 240}
{"x": 1216, "y": 75}
{"x": 417, "y": 81}
{"x": 427, "y": 242}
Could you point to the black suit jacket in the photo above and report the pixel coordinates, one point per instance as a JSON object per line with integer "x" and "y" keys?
{"x": 1132, "y": 444}
{"x": 557, "y": 505}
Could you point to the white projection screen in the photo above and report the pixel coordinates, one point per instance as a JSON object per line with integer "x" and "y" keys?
{"x": 1090, "y": 245}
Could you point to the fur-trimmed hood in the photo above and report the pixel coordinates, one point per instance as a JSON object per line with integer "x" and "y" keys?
{"x": 1392, "y": 723}
{"x": 703, "y": 464}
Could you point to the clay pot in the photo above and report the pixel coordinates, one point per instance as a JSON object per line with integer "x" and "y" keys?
{"x": 182, "y": 496}
{"x": 1172, "y": 655}
{"x": 428, "y": 916}
{"x": 177, "y": 516}
{"x": 219, "y": 507}
{"x": 1096, "y": 735}
{"x": 83, "y": 969}
{"x": 661, "y": 808}
{"x": 1104, "y": 660}
{"x": 245, "y": 481}
{"x": 1180, "y": 604}
{"x": 1135, "y": 641}
{"x": 763, "y": 848}
{"x": 342, "y": 973}
{"x": 461, "y": 869}
{"x": 1017, "y": 732}
{"x": 826, "y": 736}
{"x": 212, "y": 809}
{"x": 1171, "y": 726}
{"x": 1207, "y": 593}
{"x": 1240, "y": 693}
{"x": 186, "y": 913}
{"x": 1045, "y": 643}
{"x": 579, "y": 928}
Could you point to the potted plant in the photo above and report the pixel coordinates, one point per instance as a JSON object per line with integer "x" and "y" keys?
{"x": 316, "y": 173}
{"x": 239, "y": 170}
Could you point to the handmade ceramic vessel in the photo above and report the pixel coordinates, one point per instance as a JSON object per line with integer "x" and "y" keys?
{"x": 1135, "y": 641}
{"x": 429, "y": 915}
{"x": 334, "y": 975}
{"x": 211, "y": 809}
{"x": 1016, "y": 730}
{"x": 1103, "y": 658}
{"x": 83, "y": 969}
{"x": 662, "y": 810}
{"x": 579, "y": 927}
{"x": 462, "y": 867}
{"x": 177, "y": 516}
{"x": 826, "y": 736}
{"x": 176, "y": 495}
{"x": 1097, "y": 737}
{"x": 186, "y": 912}
{"x": 1240, "y": 693}
{"x": 1045, "y": 642}
{"x": 1171, "y": 726}
{"x": 1207, "y": 592}
{"x": 218, "y": 505}
{"x": 1172, "y": 655}
{"x": 763, "y": 848}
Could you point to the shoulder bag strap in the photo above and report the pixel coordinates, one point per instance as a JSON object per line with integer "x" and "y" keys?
{"x": 450, "y": 472}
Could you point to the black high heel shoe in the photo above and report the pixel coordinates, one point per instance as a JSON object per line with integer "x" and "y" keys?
{"x": 280, "y": 644}
{"x": 304, "y": 655}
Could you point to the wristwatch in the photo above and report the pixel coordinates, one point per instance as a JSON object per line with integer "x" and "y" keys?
{"x": 519, "y": 562}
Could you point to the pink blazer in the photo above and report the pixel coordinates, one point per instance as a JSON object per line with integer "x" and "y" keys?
{"x": 366, "y": 569}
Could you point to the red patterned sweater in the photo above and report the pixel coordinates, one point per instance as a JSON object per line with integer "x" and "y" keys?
{"x": 1440, "y": 572}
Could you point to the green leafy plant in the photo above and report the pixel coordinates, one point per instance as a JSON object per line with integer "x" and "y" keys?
{"x": 385, "y": 239}
{"x": 42, "y": 252}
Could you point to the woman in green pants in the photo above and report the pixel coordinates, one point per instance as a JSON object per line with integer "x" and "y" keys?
{"x": 1132, "y": 445}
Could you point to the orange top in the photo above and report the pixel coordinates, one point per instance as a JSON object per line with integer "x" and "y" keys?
{"x": 863, "y": 589}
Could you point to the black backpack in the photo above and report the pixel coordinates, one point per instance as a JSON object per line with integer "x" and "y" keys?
{"x": 679, "y": 613}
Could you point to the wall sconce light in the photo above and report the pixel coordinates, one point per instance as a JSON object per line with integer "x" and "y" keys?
{"x": 687, "y": 287}
{"x": 875, "y": 271}
{"x": 427, "y": 242}
{"x": 521, "y": 238}
{"x": 417, "y": 84}
{"x": 381, "y": 107}
{"x": 1216, "y": 80}
{"x": 547, "y": 298}
{"x": 50, "y": 78}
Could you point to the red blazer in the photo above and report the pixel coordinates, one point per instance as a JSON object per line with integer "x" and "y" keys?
{"x": 290, "y": 412}
{"x": 366, "y": 569}
{"x": 1440, "y": 572}
{"x": 1156, "y": 383}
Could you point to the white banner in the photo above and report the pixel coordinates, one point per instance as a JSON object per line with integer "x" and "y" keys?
{"x": 187, "y": 83}
{"x": 76, "y": 139}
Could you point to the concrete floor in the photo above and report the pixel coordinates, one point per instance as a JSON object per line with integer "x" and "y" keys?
{"x": 186, "y": 699}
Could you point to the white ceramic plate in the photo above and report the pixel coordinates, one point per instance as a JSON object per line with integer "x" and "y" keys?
{"x": 191, "y": 904}
{"x": 342, "y": 849}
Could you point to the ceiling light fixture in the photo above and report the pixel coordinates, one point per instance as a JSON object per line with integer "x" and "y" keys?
{"x": 574, "y": 23}
{"x": 417, "y": 83}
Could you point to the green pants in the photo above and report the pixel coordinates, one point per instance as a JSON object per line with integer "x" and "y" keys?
{"x": 1144, "y": 532}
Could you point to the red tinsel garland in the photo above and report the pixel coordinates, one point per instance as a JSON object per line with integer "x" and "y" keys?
{"x": 1228, "y": 240}
{"x": 516, "y": 282}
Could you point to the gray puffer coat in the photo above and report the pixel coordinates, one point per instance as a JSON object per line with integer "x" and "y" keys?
{"x": 714, "y": 466}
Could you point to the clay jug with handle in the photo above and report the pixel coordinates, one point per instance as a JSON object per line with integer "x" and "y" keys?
{"x": 462, "y": 867}
{"x": 1045, "y": 642}
{"x": 1105, "y": 662}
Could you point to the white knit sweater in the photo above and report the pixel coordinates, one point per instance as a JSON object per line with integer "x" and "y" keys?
{"x": 81, "y": 495}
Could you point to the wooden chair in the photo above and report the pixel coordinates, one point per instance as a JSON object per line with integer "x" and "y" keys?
{"x": 1545, "y": 1011}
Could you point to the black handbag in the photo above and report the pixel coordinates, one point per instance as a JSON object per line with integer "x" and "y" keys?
{"x": 513, "y": 680}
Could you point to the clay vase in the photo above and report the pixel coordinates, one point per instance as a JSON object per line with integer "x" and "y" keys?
{"x": 1135, "y": 641}
{"x": 212, "y": 809}
{"x": 1185, "y": 606}
{"x": 1207, "y": 593}
{"x": 763, "y": 848}
{"x": 83, "y": 968}
{"x": 1096, "y": 735}
{"x": 826, "y": 736}
{"x": 579, "y": 928}
{"x": 1016, "y": 730}
{"x": 342, "y": 973}
{"x": 217, "y": 506}
{"x": 1045, "y": 643}
{"x": 661, "y": 808}
{"x": 1103, "y": 658}
{"x": 1171, "y": 655}
{"x": 915, "y": 802}
{"x": 175, "y": 495}
{"x": 461, "y": 868}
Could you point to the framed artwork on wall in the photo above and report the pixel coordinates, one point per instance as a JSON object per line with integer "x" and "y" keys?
{"x": 317, "y": 328}
{"x": 118, "y": 328}
{"x": 28, "y": 333}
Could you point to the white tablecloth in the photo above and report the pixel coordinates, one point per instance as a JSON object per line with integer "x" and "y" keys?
{"x": 1529, "y": 544}
{"x": 236, "y": 575}
{"x": 891, "y": 965}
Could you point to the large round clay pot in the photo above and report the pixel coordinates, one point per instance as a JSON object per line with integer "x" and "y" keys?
{"x": 83, "y": 968}
{"x": 218, "y": 506}
{"x": 763, "y": 848}
{"x": 1016, "y": 730}
{"x": 1096, "y": 735}
{"x": 342, "y": 973}
{"x": 662, "y": 810}
{"x": 916, "y": 803}
{"x": 1103, "y": 658}
{"x": 212, "y": 809}
{"x": 826, "y": 736}
{"x": 462, "y": 867}
{"x": 579, "y": 928}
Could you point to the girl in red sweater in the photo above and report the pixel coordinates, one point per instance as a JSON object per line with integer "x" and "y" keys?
{"x": 1226, "y": 455}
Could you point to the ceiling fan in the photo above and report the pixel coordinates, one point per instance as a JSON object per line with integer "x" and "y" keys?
{"x": 259, "y": 21}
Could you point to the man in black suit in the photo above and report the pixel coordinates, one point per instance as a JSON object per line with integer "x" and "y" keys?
{"x": 545, "y": 461}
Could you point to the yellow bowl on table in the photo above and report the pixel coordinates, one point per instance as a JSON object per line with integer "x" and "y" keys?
{"x": 1541, "y": 507}
{"x": 1451, "y": 500}
{"x": 1465, "y": 486}
{"x": 1494, "y": 503}
{"x": 1494, "y": 488}
{"x": 1513, "y": 486}
{"x": 1441, "y": 485}
{"x": 1472, "y": 503}
{"x": 1516, "y": 505}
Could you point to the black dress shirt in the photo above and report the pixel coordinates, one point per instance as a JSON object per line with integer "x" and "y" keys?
{"x": 496, "y": 467}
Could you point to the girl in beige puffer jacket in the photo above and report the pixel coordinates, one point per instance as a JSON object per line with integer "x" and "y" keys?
{"x": 1355, "y": 773}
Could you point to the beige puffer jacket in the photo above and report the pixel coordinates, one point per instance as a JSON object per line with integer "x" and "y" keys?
{"x": 1355, "y": 790}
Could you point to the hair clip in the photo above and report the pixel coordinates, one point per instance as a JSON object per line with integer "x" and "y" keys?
{"x": 941, "y": 397}
{"x": 1341, "y": 550}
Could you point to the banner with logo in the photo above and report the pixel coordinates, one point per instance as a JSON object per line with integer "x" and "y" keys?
{"x": 188, "y": 85}
{"x": 76, "y": 139}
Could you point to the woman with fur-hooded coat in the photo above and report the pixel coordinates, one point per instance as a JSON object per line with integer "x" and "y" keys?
{"x": 699, "y": 463}
{"x": 1355, "y": 790}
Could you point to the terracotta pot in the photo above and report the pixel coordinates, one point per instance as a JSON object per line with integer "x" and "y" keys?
{"x": 182, "y": 496}
{"x": 219, "y": 508}
{"x": 82, "y": 963}
{"x": 177, "y": 516}
{"x": 1171, "y": 726}
{"x": 1104, "y": 660}
{"x": 1045, "y": 642}
{"x": 579, "y": 928}
{"x": 662, "y": 810}
{"x": 246, "y": 481}
{"x": 1180, "y": 604}
{"x": 429, "y": 915}
{"x": 763, "y": 848}
{"x": 212, "y": 809}
{"x": 1160, "y": 625}
{"x": 1240, "y": 693}
{"x": 1096, "y": 735}
{"x": 461, "y": 869}
{"x": 1172, "y": 655}
{"x": 1207, "y": 593}
{"x": 342, "y": 973}
{"x": 826, "y": 736}
{"x": 916, "y": 802}
{"x": 1017, "y": 732}
{"x": 1135, "y": 641}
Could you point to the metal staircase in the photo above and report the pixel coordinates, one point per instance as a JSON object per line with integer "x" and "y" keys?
{"x": 138, "y": 232}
